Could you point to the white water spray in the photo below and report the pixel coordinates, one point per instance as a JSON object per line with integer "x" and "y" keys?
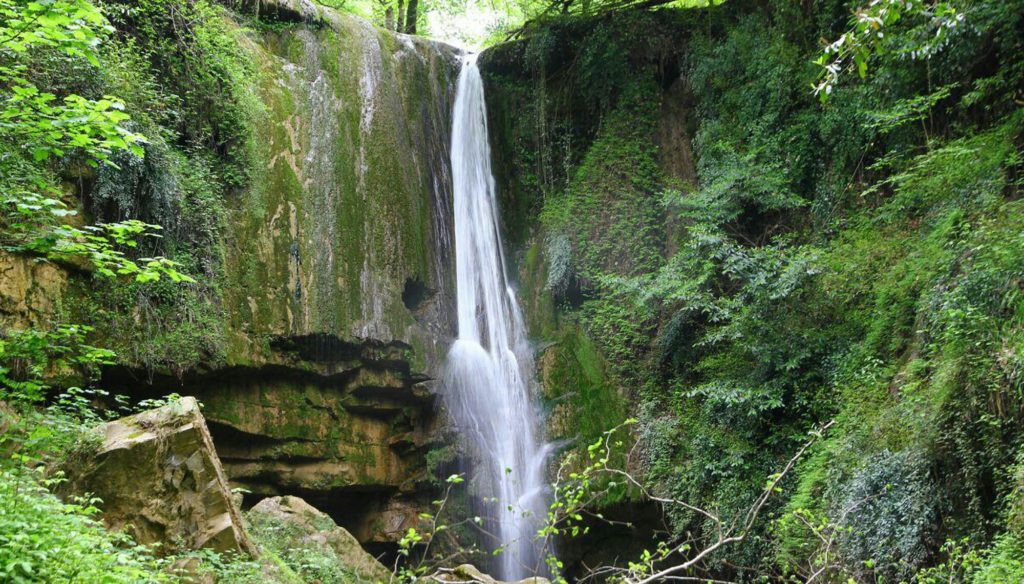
{"x": 490, "y": 365}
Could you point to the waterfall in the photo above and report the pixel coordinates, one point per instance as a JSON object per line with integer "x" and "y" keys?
{"x": 490, "y": 366}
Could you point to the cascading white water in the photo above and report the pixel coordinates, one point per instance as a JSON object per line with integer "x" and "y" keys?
{"x": 490, "y": 365}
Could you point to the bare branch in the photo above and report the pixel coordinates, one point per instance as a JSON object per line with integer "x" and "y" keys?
{"x": 748, "y": 524}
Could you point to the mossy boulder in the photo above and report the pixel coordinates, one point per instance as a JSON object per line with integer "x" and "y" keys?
{"x": 295, "y": 530}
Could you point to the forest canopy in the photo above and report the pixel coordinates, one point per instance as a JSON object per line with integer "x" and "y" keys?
{"x": 479, "y": 23}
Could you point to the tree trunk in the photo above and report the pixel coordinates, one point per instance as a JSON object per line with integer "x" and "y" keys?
{"x": 389, "y": 18}
{"x": 410, "y": 17}
{"x": 400, "y": 26}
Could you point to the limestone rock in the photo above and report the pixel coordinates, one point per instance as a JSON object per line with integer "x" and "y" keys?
{"x": 467, "y": 573}
{"x": 160, "y": 479}
{"x": 29, "y": 290}
{"x": 303, "y": 527}
{"x": 346, "y": 234}
{"x": 278, "y": 436}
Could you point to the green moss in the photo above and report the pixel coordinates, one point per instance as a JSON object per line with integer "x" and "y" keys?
{"x": 537, "y": 299}
{"x": 308, "y": 242}
{"x": 611, "y": 210}
{"x": 342, "y": 215}
{"x": 576, "y": 382}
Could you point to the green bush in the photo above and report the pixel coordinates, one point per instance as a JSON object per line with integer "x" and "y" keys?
{"x": 45, "y": 540}
{"x": 891, "y": 528}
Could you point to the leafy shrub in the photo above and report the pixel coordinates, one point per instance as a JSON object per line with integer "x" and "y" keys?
{"x": 892, "y": 527}
{"x": 45, "y": 540}
{"x": 1004, "y": 562}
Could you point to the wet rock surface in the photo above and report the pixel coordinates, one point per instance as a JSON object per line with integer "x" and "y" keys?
{"x": 352, "y": 201}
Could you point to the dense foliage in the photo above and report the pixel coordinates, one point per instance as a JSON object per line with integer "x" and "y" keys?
{"x": 857, "y": 260}
{"x": 728, "y": 228}
{"x": 38, "y": 125}
{"x": 77, "y": 168}
{"x": 45, "y": 540}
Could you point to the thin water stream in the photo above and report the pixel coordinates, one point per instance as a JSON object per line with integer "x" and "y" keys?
{"x": 490, "y": 366}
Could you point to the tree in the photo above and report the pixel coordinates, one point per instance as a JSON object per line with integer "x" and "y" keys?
{"x": 931, "y": 25}
{"x": 399, "y": 16}
{"x": 39, "y": 127}
{"x": 411, "y": 16}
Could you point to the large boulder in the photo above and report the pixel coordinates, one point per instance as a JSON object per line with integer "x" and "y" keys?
{"x": 470, "y": 574}
{"x": 293, "y": 528}
{"x": 159, "y": 478}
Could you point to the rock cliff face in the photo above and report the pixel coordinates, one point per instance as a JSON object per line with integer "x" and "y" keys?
{"x": 337, "y": 279}
{"x": 334, "y": 291}
{"x": 345, "y": 231}
{"x": 28, "y": 291}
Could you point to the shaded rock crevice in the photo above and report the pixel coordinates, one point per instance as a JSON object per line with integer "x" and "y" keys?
{"x": 338, "y": 423}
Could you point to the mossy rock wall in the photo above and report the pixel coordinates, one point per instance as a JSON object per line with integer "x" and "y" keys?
{"x": 338, "y": 273}
{"x": 589, "y": 123}
{"x": 321, "y": 311}
{"x": 349, "y": 209}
